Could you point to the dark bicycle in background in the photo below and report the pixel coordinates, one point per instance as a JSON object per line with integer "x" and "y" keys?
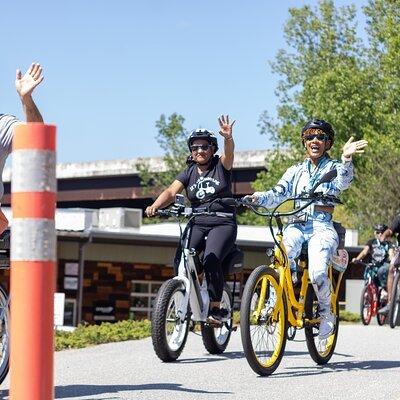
{"x": 4, "y": 308}
{"x": 373, "y": 296}
{"x": 394, "y": 309}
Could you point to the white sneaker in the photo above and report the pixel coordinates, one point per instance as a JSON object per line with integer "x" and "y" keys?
{"x": 326, "y": 326}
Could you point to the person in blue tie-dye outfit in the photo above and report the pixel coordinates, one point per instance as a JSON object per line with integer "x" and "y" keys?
{"x": 317, "y": 228}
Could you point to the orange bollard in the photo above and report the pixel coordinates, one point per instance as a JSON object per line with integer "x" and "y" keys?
{"x": 33, "y": 262}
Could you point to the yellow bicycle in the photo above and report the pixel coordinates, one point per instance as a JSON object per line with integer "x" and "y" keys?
{"x": 270, "y": 305}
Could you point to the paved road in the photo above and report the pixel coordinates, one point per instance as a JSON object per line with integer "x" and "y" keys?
{"x": 366, "y": 366}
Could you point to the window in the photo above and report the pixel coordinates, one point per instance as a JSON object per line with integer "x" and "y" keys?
{"x": 143, "y": 295}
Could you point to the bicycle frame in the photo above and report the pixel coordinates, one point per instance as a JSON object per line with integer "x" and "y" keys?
{"x": 195, "y": 295}
{"x": 281, "y": 265}
{"x": 286, "y": 285}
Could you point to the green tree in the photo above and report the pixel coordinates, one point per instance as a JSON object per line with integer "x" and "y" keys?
{"x": 172, "y": 138}
{"x": 329, "y": 73}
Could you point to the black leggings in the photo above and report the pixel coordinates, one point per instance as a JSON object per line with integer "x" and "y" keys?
{"x": 221, "y": 237}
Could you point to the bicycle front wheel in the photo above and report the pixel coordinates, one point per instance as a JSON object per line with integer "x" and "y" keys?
{"x": 394, "y": 311}
{"x": 366, "y": 305}
{"x": 169, "y": 329}
{"x": 4, "y": 334}
{"x": 263, "y": 323}
{"x": 320, "y": 351}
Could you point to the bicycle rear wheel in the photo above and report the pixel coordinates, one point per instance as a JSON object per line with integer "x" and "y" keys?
{"x": 366, "y": 305}
{"x": 215, "y": 340}
{"x": 4, "y": 334}
{"x": 394, "y": 311}
{"x": 168, "y": 330}
{"x": 320, "y": 351}
{"x": 263, "y": 323}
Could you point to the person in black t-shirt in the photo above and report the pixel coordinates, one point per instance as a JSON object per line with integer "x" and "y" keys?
{"x": 208, "y": 177}
{"x": 379, "y": 251}
{"x": 394, "y": 230}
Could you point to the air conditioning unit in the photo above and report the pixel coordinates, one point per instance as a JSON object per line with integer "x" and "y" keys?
{"x": 120, "y": 217}
{"x": 76, "y": 219}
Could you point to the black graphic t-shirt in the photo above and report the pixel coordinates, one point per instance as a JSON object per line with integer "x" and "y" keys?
{"x": 203, "y": 188}
{"x": 379, "y": 251}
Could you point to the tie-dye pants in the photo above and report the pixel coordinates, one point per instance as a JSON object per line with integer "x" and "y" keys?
{"x": 322, "y": 241}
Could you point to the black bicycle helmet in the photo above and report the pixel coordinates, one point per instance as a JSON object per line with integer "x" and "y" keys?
{"x": 380, "y": 228}
{"x": 203, "y": 134}
{"x": 324, "y": 126}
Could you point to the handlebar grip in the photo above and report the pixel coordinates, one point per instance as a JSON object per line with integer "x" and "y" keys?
{"x": 246, "y": 200}
{"x": 163, "y": 213}
{"x": 228, "y": 201}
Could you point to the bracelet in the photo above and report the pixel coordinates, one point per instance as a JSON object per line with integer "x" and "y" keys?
{"x": 229, "y": 138}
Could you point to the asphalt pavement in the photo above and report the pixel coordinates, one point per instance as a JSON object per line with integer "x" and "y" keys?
{"x": 366, "y": 365}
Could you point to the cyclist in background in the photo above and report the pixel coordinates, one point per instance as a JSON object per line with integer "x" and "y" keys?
{"x": 394, "y": 230}
{"x": 25, "y": 85}
{"x": 380, "y": 251}
{"x": 316, "y": 228}
{"x": 208, "y": 177}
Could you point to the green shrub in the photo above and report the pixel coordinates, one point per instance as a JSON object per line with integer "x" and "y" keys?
{"x": 343, "y": 316}
{"x": 349, "y": 316}
{"x": 86, "y": 335}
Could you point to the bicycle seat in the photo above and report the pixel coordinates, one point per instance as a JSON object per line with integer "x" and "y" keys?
{"x": 233, "y": 262}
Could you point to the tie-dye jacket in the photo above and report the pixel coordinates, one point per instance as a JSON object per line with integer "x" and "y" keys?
{"x": 300, "y": 178}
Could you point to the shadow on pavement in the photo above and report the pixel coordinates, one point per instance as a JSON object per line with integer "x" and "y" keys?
{"x": 71, "y": 391}
{"x": 230, "y": 355}
{"x": 372, "y": 365}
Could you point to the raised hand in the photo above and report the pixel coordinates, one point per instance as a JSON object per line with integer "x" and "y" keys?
{"x": 26, "y": 84}
{"x": 225, "y": 128}
{"x": 352, "y": 147}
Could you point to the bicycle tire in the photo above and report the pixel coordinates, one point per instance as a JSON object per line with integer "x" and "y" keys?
{"x": 394, "y": 310}
{"x": 263, "y": 361}
{"x": 381, "y": 318}
{"x": 4, "y": 334}
{"x": 216, "y": 340}
{"x": 164, "y": 318}
{"x": 366, "y": 305}
{"x": 320, "y": 351}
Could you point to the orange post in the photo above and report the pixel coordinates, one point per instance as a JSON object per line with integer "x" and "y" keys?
{"x": 33, "y": 262}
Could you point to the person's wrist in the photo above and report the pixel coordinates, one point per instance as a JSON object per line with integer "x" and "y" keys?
{"x": 229, "y": 138}
{"x": 346, "y": 158}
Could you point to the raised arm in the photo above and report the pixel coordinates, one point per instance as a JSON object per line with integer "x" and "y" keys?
{"x": 25, "y": 85}
{"x": 225, "y": 130}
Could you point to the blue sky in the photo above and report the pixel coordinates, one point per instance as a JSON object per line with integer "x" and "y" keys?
{"x": 113, "y": 67}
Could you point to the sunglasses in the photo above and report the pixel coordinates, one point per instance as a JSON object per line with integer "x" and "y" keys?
{"x": 319, "y": 136}
{"x": 197, "y": 147}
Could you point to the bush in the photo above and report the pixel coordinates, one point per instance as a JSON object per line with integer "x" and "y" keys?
{"x": 89, "y": 335}
{"x": 349, "y": 316}
{"x": 86, "y": 335}
{"x": 343, "y": 316}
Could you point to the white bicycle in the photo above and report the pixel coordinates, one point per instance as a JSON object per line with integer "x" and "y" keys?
{"x": 183, "y": 301}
